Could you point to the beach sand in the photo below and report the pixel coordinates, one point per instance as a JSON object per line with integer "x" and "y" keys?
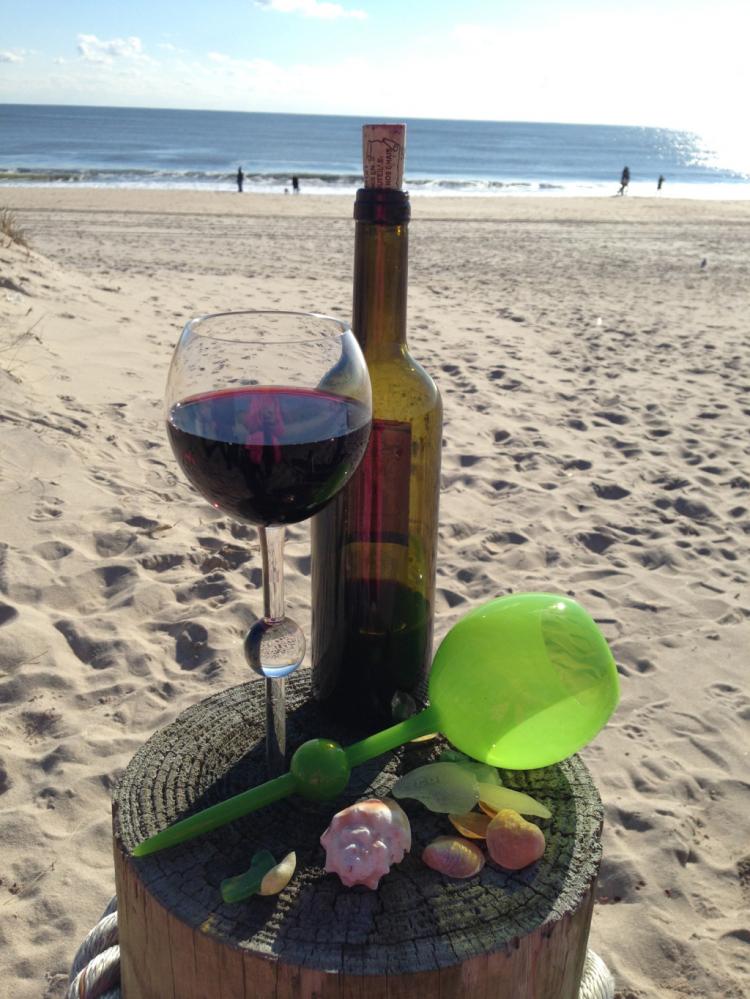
{"x": 593, "y": 358}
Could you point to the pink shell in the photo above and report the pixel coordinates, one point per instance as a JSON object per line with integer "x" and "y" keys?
{"x": 454, "y": 856}
{"x": 364, "y": 839}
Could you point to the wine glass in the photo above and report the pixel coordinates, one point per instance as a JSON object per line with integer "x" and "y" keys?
{"x": 268, "y": 414}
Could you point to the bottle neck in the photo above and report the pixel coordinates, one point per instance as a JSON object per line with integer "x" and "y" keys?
{"x": 380, "y": 270}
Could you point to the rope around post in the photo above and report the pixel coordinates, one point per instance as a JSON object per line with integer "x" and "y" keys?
{"x": 95, "y": 972}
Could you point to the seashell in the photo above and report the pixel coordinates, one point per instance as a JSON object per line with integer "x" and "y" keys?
{"x": 363, "y": 840}
{"x": 504, "y": 797}
{"x": 454, "y": 857}
{"x": 513, "y": 842}
{"x": 279, "y": 876}
{"x": 473, "y": 825}
{"x": 441, "y": 787}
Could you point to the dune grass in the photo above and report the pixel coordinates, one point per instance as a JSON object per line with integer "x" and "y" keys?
{"x": 11, "y": 230}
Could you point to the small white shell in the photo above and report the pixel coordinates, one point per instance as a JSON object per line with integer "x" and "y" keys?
{"x": 279, "y": 876}
{"x": 365, "y": 839}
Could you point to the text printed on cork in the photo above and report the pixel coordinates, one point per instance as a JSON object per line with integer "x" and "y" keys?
{"x": 383, "y": 148}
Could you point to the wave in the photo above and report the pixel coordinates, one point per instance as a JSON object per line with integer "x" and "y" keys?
{"x": 279, "y": 182}
{"x": 219, "y": 180}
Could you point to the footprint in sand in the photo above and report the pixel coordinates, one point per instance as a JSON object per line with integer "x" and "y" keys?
{"x": 5, "y": 781}
{"x": 610, "y": 492}
{"x": 694, "y": 509}
{"x": 450, "y": 597}
{"x": 112, "y": 543}
{"x": 612, "y": 417}
{"x": 99, "y": 653}
{"x": 7, "y": 613}
{"x": 49, "y": 510}
{"x": 161, "y": 563}
{"x": 596, "y": 541}
{"x": 53, "y": 551}
{"x": 506, "y": 538}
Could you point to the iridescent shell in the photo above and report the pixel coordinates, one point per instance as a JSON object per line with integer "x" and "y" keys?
{"x": 473, "y": 825}
{"x": 513, "y": 842}
{"x": 365, "y": 839}
{"x": 454, "y": 857}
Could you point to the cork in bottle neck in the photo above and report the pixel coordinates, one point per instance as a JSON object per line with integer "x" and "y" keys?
{"x": 383, "y": 149}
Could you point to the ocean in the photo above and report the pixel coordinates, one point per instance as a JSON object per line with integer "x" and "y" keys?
{"x": 58, "y": 145}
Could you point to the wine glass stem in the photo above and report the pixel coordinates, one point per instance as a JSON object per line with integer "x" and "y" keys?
{"x": 272, "y": 551}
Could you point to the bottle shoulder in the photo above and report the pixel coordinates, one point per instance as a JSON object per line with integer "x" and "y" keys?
{"x": 399, "y": 379}
{"x": 402, "y": 390}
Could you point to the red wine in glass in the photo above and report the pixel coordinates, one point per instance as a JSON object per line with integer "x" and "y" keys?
{"x": 269, "y": 414}
{"x": 270, "y": 454}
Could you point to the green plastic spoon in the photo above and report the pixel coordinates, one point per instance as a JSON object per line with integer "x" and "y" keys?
{"x": 521, "y": 682}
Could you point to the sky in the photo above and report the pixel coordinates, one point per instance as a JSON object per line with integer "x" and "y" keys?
{"x": 643, "y": 62}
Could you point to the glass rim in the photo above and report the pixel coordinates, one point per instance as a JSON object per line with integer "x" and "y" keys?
{"x": 342, "y": 326}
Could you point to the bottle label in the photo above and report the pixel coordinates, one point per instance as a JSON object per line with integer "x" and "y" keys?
{"x": 380, "y": 487}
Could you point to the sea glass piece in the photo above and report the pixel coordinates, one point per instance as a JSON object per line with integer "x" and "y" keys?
{"x": 441, "y": 787}
{"x": 454, "y": 857}
{"x": 472, "y": 825}
{"x": 242, "y": 886}
{"x": 504, "y": 797}
{"x": 482, "y": 771}
{"x": 279, "y": 876}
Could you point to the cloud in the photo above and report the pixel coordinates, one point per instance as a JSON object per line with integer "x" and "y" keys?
{"x": 11, "y": 56}
{"x": 94, "y": 49}
{"x": 311, "y": 8}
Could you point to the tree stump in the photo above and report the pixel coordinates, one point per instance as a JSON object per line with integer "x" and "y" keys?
{"x": 497, "y": 935}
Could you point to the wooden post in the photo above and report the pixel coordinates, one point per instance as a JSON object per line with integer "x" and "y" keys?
{"x": 495, "y": 936}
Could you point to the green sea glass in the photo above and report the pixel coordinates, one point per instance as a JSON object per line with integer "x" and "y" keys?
{"x": 242, "y": 886}
{"x": 481, "y": 771}
{"x": 506, "y": 797}
{"x": 441, "y": 787}
{"x": 521, "y": 682}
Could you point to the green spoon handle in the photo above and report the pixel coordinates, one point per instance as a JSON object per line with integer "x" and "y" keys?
{"x": 424, "y": 723}
{"x": 219, "y": 814}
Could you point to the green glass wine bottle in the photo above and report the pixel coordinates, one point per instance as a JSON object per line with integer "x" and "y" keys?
{"x": 374, "y": 546}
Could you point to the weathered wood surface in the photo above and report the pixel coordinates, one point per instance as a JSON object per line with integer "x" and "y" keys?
{"x": 497, "y": 935}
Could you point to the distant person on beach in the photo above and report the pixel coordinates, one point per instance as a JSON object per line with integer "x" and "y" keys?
{"x": 295, "y": 185}
{"x": 659, "y": 182}
{"x": 240, "y": 179}
{"x": 624, "y": 180}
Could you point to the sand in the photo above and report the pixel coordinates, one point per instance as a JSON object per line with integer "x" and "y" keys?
{"x": 593, "y": 358}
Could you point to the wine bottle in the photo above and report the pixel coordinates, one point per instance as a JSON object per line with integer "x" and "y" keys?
{"x": 374, "y": 545}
